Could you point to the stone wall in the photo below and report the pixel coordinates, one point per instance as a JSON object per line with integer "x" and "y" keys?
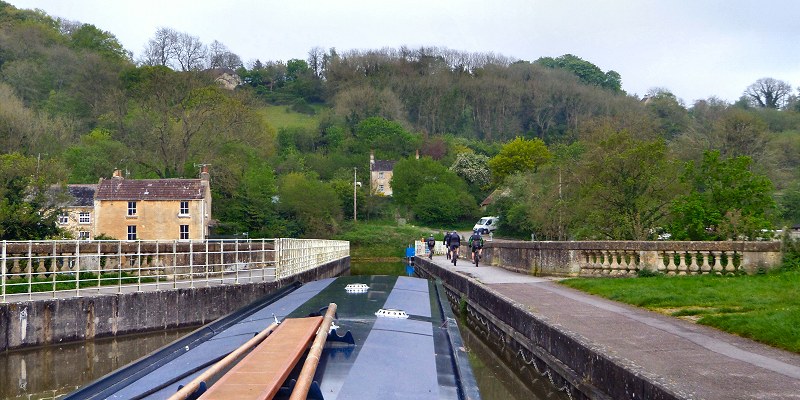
{"x": 44, "y": 322}
{"x": 587, "y": 372}
{"x": 621, "y": 258}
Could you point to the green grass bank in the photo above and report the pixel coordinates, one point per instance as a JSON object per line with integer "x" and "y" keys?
{"x": 764, "y": 307}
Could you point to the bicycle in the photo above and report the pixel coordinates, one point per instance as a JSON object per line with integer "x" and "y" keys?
{"x": 454, "y": 254}
{"x": 476, "y": 255}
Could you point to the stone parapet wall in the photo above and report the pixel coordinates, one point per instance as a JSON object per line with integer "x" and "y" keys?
{"x": 585, "y": 371}
{"x": 621, "y": 258}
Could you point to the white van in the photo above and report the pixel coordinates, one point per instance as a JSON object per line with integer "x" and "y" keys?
{"x": 487, "y": 224}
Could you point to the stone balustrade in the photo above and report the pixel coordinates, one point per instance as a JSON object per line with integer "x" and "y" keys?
{"x": 626, "y": 258}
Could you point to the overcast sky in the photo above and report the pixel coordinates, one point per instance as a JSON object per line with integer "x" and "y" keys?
{"x": 694, "y": 48}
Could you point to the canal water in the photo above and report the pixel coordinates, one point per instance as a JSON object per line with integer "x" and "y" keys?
{"x": 53, "y": 371}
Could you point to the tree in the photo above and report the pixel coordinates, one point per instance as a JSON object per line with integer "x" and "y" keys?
{"x": 89, "y": 37}
{"x": 96, "y": 156}
{"x": 410, "y": 175}
{"x": 473, "y": 168}
{"x": 768, "y": 93}
{"x": 519, "y": 155}
{"x": 587, "y": 72}
{"x": 439, "y": 203}
{"x": 626, "y": 185}
{"x": 312, "y": 203}
{"x": 726, "y": 202}
{"x": 669, "y": 112}
{"x": 28, "y": 209}
{"x": 387, "y": 138}
{"x": 219, "y": 56}
{"x": 160, "y": 50}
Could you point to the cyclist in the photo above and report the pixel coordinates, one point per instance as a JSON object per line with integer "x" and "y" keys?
{"x": 447, "y": 243}
{"x": 455, "y": 243}
{"x": 476, "y": 245}
{"x": 431, "y": 242}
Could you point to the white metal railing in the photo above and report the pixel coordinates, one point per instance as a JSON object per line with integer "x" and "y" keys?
{"x": 300, "y": 255}
{"x": 71, "y": 268}
{"x": 421, "y": 248}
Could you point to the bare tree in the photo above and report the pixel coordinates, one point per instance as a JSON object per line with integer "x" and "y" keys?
{"x": 160, "y": 50}
{"x": 190, "y": 52}
{"x": 219, "y": 56}
{"x": 768, "y": 93}
{"x": 315, "y": 58}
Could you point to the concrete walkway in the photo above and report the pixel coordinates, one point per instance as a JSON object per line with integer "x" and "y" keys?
{"x": 693, "y": 361}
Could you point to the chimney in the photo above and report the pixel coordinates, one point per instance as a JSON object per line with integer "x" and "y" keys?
{"x": 371, "y": 159}
{"x": 117, "y": 174}
{"x": 204, "y": 172}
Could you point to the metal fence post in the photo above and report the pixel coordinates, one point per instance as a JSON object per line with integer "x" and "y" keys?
{"x": 3, "y": 265}
{"x": 77, "y": 268}
{"x": 191, "y": 265}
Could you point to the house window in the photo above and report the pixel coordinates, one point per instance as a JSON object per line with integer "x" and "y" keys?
{"x": 131, "y": 232}
{"x": 184, "y": 232}
{"x": 63, "y": 219}
{"x": 84, "y": 218}
{"x": 131, "y": 208}
{"x": 184, "y": 208}
{"x": 380, "y": 175}
{"x": 380, "y": 188}
{"x": 83, "y": 235}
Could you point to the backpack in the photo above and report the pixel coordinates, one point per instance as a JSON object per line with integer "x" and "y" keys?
{"x": 476, "y": 241}
{"x": 431, "y": 241}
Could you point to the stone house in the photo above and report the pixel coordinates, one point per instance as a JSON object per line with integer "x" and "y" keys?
{"x": 380, "y": 176}
{"x": 153, "y": 209}
{"x": 78, "y": 215}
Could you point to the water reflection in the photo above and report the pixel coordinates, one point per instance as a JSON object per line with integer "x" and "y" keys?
{"x": 53, "y": 371}
{"x": 496, "y": 380}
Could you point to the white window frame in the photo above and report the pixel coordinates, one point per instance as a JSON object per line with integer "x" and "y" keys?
{"x": 63, "y": 219}
{"x": 380, "y": 175}
{"x": 380, "y": 188}
{"x": 84, "y": 217}
{"x": 184, "y": 232}
{"x": 131, "y": 208}
{"x": 132, "y": 232}
{"x": 83, "y": 235}
{"x": 184, "y": 211}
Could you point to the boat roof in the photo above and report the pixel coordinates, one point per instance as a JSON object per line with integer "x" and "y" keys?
{"x": 391, "y": 357}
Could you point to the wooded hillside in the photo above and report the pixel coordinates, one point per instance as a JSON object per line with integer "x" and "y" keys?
{"x": 565, "y": 151}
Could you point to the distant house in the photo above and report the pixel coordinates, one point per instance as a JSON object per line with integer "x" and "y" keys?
{"x": 380, "y": 176}
{"x": 153, "y": 209}
{"x": 226, "y": 78}
{"x": 78, "y": 211}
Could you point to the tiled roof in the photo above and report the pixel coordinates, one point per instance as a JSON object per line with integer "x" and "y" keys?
{"x": 383, "y": 165}
{"x": 150, "y": 189}
{"x": 82, "y": 195}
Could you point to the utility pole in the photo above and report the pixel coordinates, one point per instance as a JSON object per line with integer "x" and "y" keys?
{"x": 355, "y": 184}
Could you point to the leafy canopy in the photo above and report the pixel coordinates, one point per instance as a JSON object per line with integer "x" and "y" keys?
{"x": 727, "y": 201}
{"x": 519, "y": 155}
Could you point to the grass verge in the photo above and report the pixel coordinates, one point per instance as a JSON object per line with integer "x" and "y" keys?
{"x": 67, "y": 282}
{"x": 765, "y": 307}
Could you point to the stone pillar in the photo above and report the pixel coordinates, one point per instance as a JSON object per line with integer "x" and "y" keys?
{"x": 717, "y": 268}
{"x": 682, "y": 267}
{"x": 706, "y": 267}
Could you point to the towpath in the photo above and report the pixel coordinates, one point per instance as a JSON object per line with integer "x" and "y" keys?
{"x": 694, "y": 361}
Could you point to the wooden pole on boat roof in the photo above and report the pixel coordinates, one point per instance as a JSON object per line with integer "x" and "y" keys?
{"x": 306, "y": 377}
{"x": 222, "y": 364}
